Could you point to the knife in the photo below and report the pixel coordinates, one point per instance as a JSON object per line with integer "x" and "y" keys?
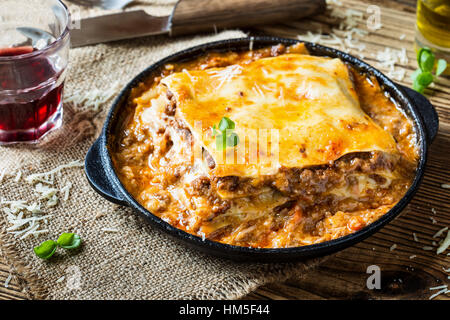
{"x": 191, "y": 16}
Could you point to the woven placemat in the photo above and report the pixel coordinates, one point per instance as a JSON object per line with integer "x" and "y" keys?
{"x": 122, "y": 257}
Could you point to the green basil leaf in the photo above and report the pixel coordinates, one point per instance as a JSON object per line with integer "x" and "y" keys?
{"x": 226, "y": 123}
{"x": 424, "y": 79}
{"x": 69, "y": 241}
{"x": 415, "y": 74}
{"x": 426, "y": 60}
{"x": 232, "y": 140}
{"x": 418, "y": 87}
{"x": 221, "y": 142}
{"x": 46, "y": 249}
{"x": 441, "y": 66}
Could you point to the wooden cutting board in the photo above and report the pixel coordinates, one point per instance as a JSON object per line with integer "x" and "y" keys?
{"x": 344, "y": 276}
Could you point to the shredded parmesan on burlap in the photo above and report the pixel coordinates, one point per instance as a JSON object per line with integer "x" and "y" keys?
{"x": 112, "y": 230}
{"x": 27, "y": 219}
{"x": 22, "y": 226}
{"x": 18, "y": 176}
{"x": 94, "y": 98}
{"x": 48, "y": 177}
{"x": 65, "y": 191}
{"x": 2, "y": 174}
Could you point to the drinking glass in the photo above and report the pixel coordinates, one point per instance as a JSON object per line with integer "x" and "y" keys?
{"x": 34, "y": 53}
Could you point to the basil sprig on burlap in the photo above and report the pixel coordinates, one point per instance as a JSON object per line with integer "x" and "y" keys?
{"x": 423, "y": 76}
{"x": 224, "y": 134}
{"x": 48, "y": 248}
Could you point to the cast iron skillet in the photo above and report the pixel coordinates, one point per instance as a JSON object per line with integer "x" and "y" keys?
{"x": 103, "y": 179}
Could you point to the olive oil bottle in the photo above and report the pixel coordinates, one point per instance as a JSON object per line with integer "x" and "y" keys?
{"x": 433, "y": 27}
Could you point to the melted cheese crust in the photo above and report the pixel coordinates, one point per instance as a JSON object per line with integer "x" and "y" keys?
{"x": 306, "y": 107}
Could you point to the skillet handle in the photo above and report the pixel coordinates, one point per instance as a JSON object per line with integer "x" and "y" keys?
{"x": 427, "y": 111}
{"x": 97, "y": 175}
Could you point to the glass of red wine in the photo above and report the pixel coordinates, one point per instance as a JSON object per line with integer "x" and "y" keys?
{"x": 34, "y": 53}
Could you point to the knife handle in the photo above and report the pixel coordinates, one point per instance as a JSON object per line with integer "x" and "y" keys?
{"x": 192, "y": 16}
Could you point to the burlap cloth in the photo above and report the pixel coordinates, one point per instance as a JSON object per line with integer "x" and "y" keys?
{"x": 138, "y": 262}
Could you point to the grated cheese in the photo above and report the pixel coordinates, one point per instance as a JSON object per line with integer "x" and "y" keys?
{"x": 389, "y": 58}
{"x": 416, "y": 239}
{"x": 226, "y": 74}
{"x": 202, "y": 234}
{"x": 65, "y": 191}
{"x": 60, "y": 279}
{"x": 110, "y": 230}
{"x": 440, "y": 232}
{"x": 413, "y": 256}
{"x": 348, "y": 27}
{"x": 48, "y": 177}
{"x": 18, "y": 176}
{"x": 47, "y": 193}
{"x": 439, "y": 287}
{"x": 445, "y": 185}
{"x": 438, "y": 293}
{"x": 53, "y": 201}
{"x": 444, "y": 245}
{"x": 393, "y": 247}
{"x": 8, "y": 280}
{"x": 21, "y": 223}
{"x": 2, "y": 174}
{"x": 94, "y": 98}
{"x": 336, "y": 2}
{"x": 189, "y": 75}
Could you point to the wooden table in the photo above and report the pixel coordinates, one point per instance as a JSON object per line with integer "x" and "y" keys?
{"x": 344, "y": 275}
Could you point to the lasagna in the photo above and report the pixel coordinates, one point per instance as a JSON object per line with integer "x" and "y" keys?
{"x": 266, "y": 148}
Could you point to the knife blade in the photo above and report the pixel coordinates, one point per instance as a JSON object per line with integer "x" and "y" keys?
{"x": 191, "y": 16}
{"x": 119, "y": 26}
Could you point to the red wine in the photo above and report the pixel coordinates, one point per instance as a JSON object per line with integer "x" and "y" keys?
{"x": 26, "y": 114}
